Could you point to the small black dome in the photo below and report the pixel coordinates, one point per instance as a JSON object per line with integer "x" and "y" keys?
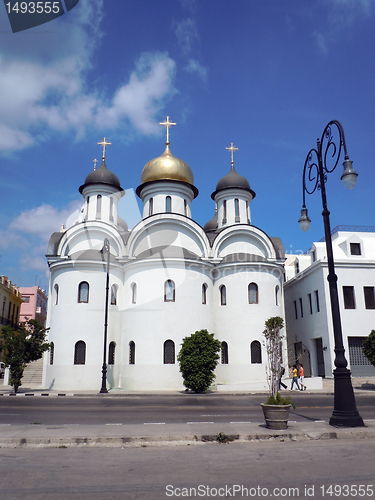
{"x": 233, "y": 180}
{"x": 101, "y": 176}
{"x": 211, "y": 225}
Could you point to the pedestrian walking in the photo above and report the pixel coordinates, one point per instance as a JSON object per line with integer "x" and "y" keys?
{"x": 295, "y": 377}
{"x": 301, "y": 377}
{"x": 281, "y": 373}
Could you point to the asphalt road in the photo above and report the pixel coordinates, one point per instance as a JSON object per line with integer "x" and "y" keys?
{"x": 315, "y": 469}
{"x": 166, "y": 409}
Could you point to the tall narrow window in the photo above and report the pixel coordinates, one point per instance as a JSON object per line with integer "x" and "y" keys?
{"x": 224, "y": 353}
{"x": 131, "y": 353}
{"x": 295, "y": 309}
{"x": 111, "y": 353}
{"x": 236, "y": 210}
{"x": 253, "y": 293}
{"x": 56, "y": 288}
{"x": 169, "y": 291}
{"x": 99, "y": 206}
{"x": 168, "y": 204}
{"x": 151, "y": 206}
{"x": 113, "y": 295}
{"x": 310, "y": 303}
{"x": 348, "y": 292}
{"x": 317, "y": 301}
{"x": 51, "y": 353}
{"x": 4, "y": 304}
{"x": 277, "y": 295}
{"x": 169, "y": 352}
{"x": 301, "y": 307}
{"x": 248, "y": 212}
{"x": 369, "y": 297}
{"x": 83, "y": 292}
{"x": 256, "y": 352}
{"x": 80, "y": 353}
{"x": 224, "y": 211}
{"x": 204, "y": 293}
{"x": 133, "y": 287}
{"x": 223, "y": 295}
{"x": 111, "y": 209}
{"x": 87, "y": 207}
{"x": 185, "y": 207}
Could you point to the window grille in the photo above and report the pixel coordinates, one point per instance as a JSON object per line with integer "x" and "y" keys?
{"x": 51, "y": 353}
{"x": 356, "y": 355}
{"x": 256, "y": 352}
{"x": 80, "y": 353}
{"x": 169, "y": 352}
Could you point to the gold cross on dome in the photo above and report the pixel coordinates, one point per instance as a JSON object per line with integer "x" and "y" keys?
{"x": 232, "y": 149}
{"x": 104, "y": 143}
{"x": 95, "y": 162}
{"x": 167, "y": 124}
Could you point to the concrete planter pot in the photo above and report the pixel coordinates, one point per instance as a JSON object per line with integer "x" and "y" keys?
{"x": 276, "y": 416}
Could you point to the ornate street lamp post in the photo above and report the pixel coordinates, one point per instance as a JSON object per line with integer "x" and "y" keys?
{"x": 320, "y": 162}
{"x": 105, "y": 249}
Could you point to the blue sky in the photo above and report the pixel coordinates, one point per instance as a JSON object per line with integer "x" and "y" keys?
{"x": 267, "y": 76}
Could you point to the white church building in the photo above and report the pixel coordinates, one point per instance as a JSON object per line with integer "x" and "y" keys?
{"x": 168, "y": 278}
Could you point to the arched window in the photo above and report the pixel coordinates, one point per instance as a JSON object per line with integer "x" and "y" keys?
{"x": 131, "y": 353}
{"x": 256, "y": 352}
{"x": 98, "y": 206}
{"x": 224, "y": 353}
{"x": 204, "y": 293}
{"x": 277, "y": 292}
{"x": 224, "y": 211}
{"x": 133, "y": 288}
{"x": 151, "y": 206}
{"x": 80, "y": 353}
{"x": 111, "y": 353}
{"x": 169, "y": 352}
{"x": 223, "y": 295}
{"x": 248, "y": 212}
{"x": 87, "y": 207}
{"x": 185, "y": 207}
{"x": 56, "y": 288}
{"x": 51, "y": 353}
{"x": 83, "y": 292}
{"x": 253, "y": 293}
{"x": 113, "y": 295}
{"x": 168, "y": 204}
{"x": 236, "y": 210}
{"x": 169, "y": 291}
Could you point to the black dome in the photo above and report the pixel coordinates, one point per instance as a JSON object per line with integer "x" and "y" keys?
{"x": 233, "y": 180}
{"x": 101, "y": 176}
{"x": 211, "y": 225}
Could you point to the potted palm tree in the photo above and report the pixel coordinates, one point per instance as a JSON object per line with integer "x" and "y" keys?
{"x": 276, "y": 409}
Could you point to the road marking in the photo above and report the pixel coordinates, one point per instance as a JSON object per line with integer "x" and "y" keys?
{"x": 199, "y": 422}
{"x": 113, "y": 424}
{"x": 319, "y": 421}
{"x": 240, "y": 422}
{"x": 153, "y": 423}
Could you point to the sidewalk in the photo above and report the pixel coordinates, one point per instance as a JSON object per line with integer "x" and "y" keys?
{"x": 154, "y": 434}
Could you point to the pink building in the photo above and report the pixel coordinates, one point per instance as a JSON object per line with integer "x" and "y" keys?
{"x": 34, "y": 304}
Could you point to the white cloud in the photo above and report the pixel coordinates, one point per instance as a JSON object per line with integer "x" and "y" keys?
{"x": 186, "y": 32}
{"x": 196, "y": 67}
{"x": 44, "y": 84}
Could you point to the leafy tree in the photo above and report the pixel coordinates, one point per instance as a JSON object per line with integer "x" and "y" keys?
{"x": 198, "y": 358}
{"x": 369, "y": 347}
{"x": 21, "y": 347}
{"x": 273, "y": 338}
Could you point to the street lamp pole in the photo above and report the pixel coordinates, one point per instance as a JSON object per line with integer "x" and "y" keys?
{"x": 105, "y": 249}
{"x": 320, "y": 162}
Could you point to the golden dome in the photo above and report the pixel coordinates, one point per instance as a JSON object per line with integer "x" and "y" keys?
{"x": 167, "y": 167}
